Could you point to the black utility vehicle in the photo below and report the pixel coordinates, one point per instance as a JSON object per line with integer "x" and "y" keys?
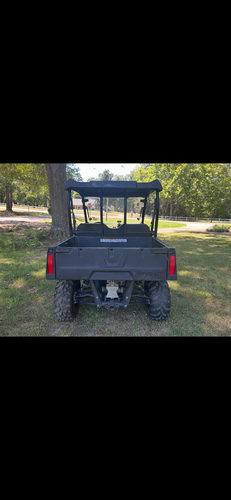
{"x": 117, "y": 266}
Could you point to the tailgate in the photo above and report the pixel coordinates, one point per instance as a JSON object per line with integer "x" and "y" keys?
{"x": 111, "y": 264}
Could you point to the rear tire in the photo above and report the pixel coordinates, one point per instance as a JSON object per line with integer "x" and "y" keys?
{"x": 160, "y": 306}
{"x": 64, "y": 305}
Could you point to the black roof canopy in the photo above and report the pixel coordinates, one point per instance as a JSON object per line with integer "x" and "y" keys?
{"x": 114, "y": 189}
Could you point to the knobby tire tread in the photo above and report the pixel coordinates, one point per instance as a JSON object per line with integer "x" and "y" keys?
{"x": 160, "y": 306}
{"x": 64, "y": 307}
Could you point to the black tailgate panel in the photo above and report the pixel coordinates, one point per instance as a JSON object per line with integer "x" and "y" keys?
{"x": 111, "y": 263}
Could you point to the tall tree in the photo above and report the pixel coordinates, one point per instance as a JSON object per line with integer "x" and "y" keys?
{"x": 57, "y": 177}
{"x": 9, "y": 172}
{"x": 73, "y": 172}
{"x": 106, "y": 176}
{"x": 34, "y": 175}
{"x": 30, "y": 175}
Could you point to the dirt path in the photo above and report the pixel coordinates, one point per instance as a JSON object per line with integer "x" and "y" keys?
{"x": 30, "y": 220}
{"x": 197, "y": 227}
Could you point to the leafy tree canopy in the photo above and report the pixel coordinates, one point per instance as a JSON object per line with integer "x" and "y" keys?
{"x": 198, "y": 189}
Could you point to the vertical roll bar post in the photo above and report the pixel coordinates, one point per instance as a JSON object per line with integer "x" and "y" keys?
{"x": 144, "y": 209}
{"x": 85, "y": 210}
{"x": 157, "y": 212}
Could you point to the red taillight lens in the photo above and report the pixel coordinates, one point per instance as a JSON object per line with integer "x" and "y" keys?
{"x": 50, "y": 264}
{"x": 172, "y": 267}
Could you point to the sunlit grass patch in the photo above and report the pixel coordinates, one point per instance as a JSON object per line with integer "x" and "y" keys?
{"x": 20, "y": 283}
{"x": 39, "y": 274}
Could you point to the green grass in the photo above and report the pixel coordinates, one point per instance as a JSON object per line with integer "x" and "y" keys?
{"x": 219, "y": 228}
{"x": 201, "y": 298}
{"x": 165, "y": 225}
{"x": 21, "y": 237}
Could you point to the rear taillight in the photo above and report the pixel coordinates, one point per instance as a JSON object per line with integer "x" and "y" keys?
{"x": 50, "y": 264}
{"x": 172, "y": 266}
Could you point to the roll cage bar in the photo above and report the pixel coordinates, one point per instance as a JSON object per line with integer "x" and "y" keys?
{"x": 113, "y": 189}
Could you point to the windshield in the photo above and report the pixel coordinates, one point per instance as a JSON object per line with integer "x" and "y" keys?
{"x": 113, "y": 211}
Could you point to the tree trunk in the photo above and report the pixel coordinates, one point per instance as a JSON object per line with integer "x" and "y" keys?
{"x": 172, "y": 206}
{"x": 56, "y": 173}
{"x": 8, "y": 199}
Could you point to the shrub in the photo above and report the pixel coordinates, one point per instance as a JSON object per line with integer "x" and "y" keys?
{"x": 219, "y": 229}
{"x": 49, "y": 211}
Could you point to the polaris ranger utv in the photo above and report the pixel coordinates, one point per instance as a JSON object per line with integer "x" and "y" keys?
{"x": 112, "y": 267}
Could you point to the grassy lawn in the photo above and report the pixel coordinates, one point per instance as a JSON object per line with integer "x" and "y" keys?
{"x": 165, "y": 225}
{"x": 201, "y": 298}
{"x": 20, "y": 236}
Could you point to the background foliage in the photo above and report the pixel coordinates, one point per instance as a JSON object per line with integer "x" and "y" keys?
{"x": 28, "y": 182}
{"x": 189, "y": 189}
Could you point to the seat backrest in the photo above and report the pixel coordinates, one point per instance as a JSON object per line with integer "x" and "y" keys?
{"x": 89, "y": 229}
{"x": 96, "y": 229}
{"x": 137, "y": 228}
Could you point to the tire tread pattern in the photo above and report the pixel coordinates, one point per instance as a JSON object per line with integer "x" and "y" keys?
{"x": 64, "y": 307}
{"x": 160, "y": 306}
